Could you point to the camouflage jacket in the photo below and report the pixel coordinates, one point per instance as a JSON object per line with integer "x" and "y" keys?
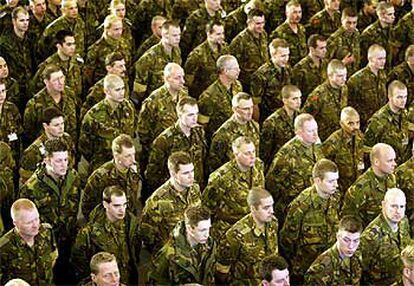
{"x": 363, "y": 199}
{"x": 323, "y": 24}
{"x": 146, "y": 45}
{"x": 13, "y": 90}
{"x": 405, "y": 179}
{"x": 7, "y": 167}
{"x": 181, "y": 9}
{"x": 404, "y": 32}
{"x": 405, "y": 74}
{"x": 11, "y": 128}
{"x": 235, "y": 22}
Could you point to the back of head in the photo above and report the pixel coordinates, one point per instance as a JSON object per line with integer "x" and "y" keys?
{"x": 98, "y": 259}
{"x": 255, "y": 196}
{"x": 350, "y": 224}
{"x": 194, "y": 214}
{"x": 322, "y": 167}
{"x": 19, "y": 205}
{"x": 17, "y": 282}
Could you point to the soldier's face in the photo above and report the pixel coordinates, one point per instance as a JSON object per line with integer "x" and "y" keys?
{"x": 349, "y": 24}
{"x": 4, "y": 69}
{"x": 320, "y": 50}
{"x": 264, "y": 211}
{"x": 244, "y": 111}
{"x": 398, "y": 99}
{"x": 188, "y": 116}
{"x": 176, "y": 79}
{"x": 378, "y": 59}
{"x": 279, "y": 278}
{"x": 116, "y": 209}
{"x": 3, "y": 94}
{"x": 56, "y": 82}
{"x": 71, "y": 10}
{"x": 309, "y": 132}
{"x": 185, "y": 175}
{"x": 338, "y": 78}
{"x": 201, "y": 232}
{"x": 157, "y": 27}
{"x": 294, "y": 14}
{"x": 27, "y": 222}
{"x": 21, "y": 23}
{"x": 57, "y": 163}
{"x": 108, "y": 274}
{"x": 213, "y": 4}
{"x": 388, "y": 16}
{"x": 68, "y": 47}
{"x": 125, "y": 159}
{"x": 394, "y": 208}
{"x": 280, "y": 56}
{"x": 115, "y": 30}
{"x": 38, "y": 7}
{"x": 246, "y": 155}
{"x": 217, "y": 35}
{"x": 350, "y": 124}
{"x": 294, "y": 101}
{"x": 385, "y": 163}
{"x": 55, "y": 128}
{"x": 257, "y": 24}
{"x": 172, "y": 36}
{"x": 116, "y": 94}
{"x": 333, "y": 4}
{"x": 119, "y": 10}
{"x": 329, "y": 184}
{"x": 232, "y": 70}
{"x": 118, "y": 68}
{"x": 12, "y": 3}
{"x": 348, "y": 242}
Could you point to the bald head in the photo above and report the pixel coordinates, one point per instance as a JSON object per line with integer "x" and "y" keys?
{"x": 393, "y": 206}
{"x": 382, "y": 158}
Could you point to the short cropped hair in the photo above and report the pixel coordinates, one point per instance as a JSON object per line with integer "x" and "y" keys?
{"x": 61, "y": 36}
{"x": 110, "y": 80}
{"x": 120, "y": 142}
{"x": 254, "y": 13}
{"x": 313, "y": 40}
{"x": 322, "y": 167}
{"x": 301, "y": 119}
{"x": 176, "y": 159}
{"x": 55, "y": 145}
{"x": 240, "y": 141}
{"x": 194, "y": 214}
{"x": 374, "y": 48}
{"x": 210, "y": 25}
{"x": 18, "y": 10}
{"x": 383, "y": 6}
{"x": 111, "y": 58}
{"x": 349, "y": 12}
{"x": 169, "y": 24}
{"x": 50, "y": 113}
{"x": 278, "y": 43}
{"x": 288, "y": 90}
{"x": 17, "y": 282}
{"x": 110, "y": 191}
{"x": 109, "y": 20}
{"x": 377, "y": 150}
{"x": 347, "y": 112}
{"x": 350, "y": 224}
{"x": 334, "y": 66}
{"x": 239, "y": 97}
{"x": 395, "y": 84}
{"x": 256, "y": 195}
{"x": 186, "y": 100}
{"x": 271, "y": 263}
{"x": 49, "y": 70}
{"x": 222, "y": 62}
{"x": 407, "y": 255}
{"x": 98, "y": 259}
{"x": 157, "y": 18}
{"x": 168, "y": 69}
{"x": 19, "y": 205}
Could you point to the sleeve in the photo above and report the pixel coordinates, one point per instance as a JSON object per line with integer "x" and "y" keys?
{"x": 312, "y": 103}
{"x": 157, "y": 163}
{"x": 213, "y": 193}
{"x": 218, "y": 152}
{"x": 372, "y": 132}
{"x": 291, "y": 230}
{"x": 257, "y": 86}
{"x": 142, "y": 70}
{"x": 353, "y": 201}
{"x": 80, "y": 255}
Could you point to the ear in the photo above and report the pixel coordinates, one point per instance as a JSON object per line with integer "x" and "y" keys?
{"x": 93, "y": 277}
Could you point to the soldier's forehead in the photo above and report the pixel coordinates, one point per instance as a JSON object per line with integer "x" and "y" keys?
{"x": 2, "y": 61}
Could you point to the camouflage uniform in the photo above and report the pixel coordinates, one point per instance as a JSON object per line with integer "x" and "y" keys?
{"x": 367, "y": 92}
{"x": 149, "y": 69}
{"x": 307, "y": 76}
{"x": 363, "y": 199}
{"x": 325, "y": 104}
{"x": 405, "y": 74}
{"x": 181, "y": 9}
{"x": 266, "y": 85}
{"x": 108, "y": 175}
{"x": 381, "y": 248}
{"x": 36, "y": 30}
{"x": 100, "y": 126}
{"x": 309, "y": 229}
{"x": 226, "y": 194}
{"x": 201, "y": 69}
{"x": 170, "y": 140}
{"x": 7, "y": 195}
{"x": 297, "y": 41}
{"x": 95, "y": 12}
{"x": 291, "y": 172}
{"x": 250, "y": 52}
{"x": 323, "y": 24}
{"x": 220, "y": 149}
{"x": 42, "y": 100}
{"x": 97, "y": 53}
{"x": 277, "y": 129}
{"x": 342, "y": 43}
{"x": 364, "y": 20}
{"x": 120, "y": 239}
{"x": 347, "y": 151}
{"x": 178, "y": 263}
{"x": 11, "y": 128}
{"x": 146, "y": 45}
{"x": 330, "y": 269}
{"x": 242, "y": 249}
{"x": 77, "y": 26}
{"x": 235, "y": 22}
{"x": 72, "y": 69}
{"x": 163, "y": 210}
{"x": 13, "y": 90}
{"x": 215, "y": 105}
{"x": 34, "y": 154}
{"x": 391, "y": 128}
{"x": 33, "y": 264}
{"x": 310, "y": 8}
{"x": 404, "y": 32}
{"x": 405, "y": 179}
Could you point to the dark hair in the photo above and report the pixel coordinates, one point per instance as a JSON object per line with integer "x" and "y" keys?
{"x": 210, "y": 25}
{"x": 314, "y": 38}
{"x": 350, "y": 224}
{"x": 270, "y": 263}
{"x": 194, "y": 214}
{"x": 55, "y": 145}
{"x": 50, "y": 113}
{"x": 61, "y": 35}
{"x": 110, "y": 191}
{"x": 254, "y": 13}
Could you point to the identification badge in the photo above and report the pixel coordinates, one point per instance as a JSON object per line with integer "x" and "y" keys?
{"x": 361, "y": 165}
{"x": 12, "y": 137}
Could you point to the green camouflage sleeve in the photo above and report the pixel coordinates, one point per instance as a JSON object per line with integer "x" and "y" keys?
{"x": 291, "y": 230}
{"x": 218, "y": 154}
{"x": 81, "y": 251}
{"x": 352, "y": 201}
{"x": 312, "y": 104}
{"x": 257, "y": 86}
{"x": 142, "y": 70}
{"x": 157, "y": 162}
{"x": 213, "y": 193}
{"x": 374, "y": 129}
{"x": 145, "y": 125}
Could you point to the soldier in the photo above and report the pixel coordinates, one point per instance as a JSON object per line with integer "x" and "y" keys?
{"x": 390, "y": 123}
{"x": 381, "y": 32}
{"x": 158, "y": 111}
{"x": 70, "y": 63}
{"x": 111, "y": 228}
{"x": 17, "y": 282}
{"x": 248, "y": 242}
{"x": 56, "y": 94}
{"x": 312, "y": 219}
{"x": 165, "y": 207}
{"x": 185, "y": 135}
{"x": 345, "y": 147}
{"x": 367, "y": 14}
{"x": 293, "y": 32}
{"x": 70, "y": 20}
{"x": 291, "y": 168}
{"x": 29, "y": 250}
{"x": 55, "y": 189}
{"x": 228, "y": 186}
{"x": 112, "y": 116}
{"x": 200, "y": 66}
{"x": 155, "y": 38}
{"x": 404, "y": 72}
{"x": 326, "y": 100}
{"x": 407, "y": 257}
{"x": 326, "y": 21}
{"x": 241, "y": 123}
{"x": 7, "y": 194}
{"x": 104, "y": 270}
{"x": 344, "y": 43}
{"x": 215, "y": 101}
{"x": 363, "y": 198}
{"x": 12, "y": 86}
{"x": 118, "y": 8}
{"x": 367, "y": 91}
{"x": 309, "y": 72}
{"x": 181, "y": 9}
{"x": 340, "y": 264}
{"x": 278, "y": 128}
{"x": 149, "y": 67}
{"x": 383, "y": 240}
{"x": 121, "y": 171}
{"x": 189, "y": 256}
{"x": 53, "y": 9}
{"x": 269, "y": 78}
{"x": 274, "y": 271}
{"x": 193, "y": 33}
{"x": 114, "y": 64}
{"x": 17, "y": 49}
{"x": 39, "y": 19}
{"x": 53, "y": 124}
{"x": 6, "y": 9}
{"x": 235, "y": 21}
{"x": 250, "y": 46}
{"x": 111, "y": 41}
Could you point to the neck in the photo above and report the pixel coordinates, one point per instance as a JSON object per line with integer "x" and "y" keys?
{"x": 256, "y": 35}
{"x": 52, "y": 7}
{"x": 184, "y": 128}
{"x": 53, "y": 175}
{"x": 111, "y": 219}
{"x": 176, "y": 185}
{"x": 243, "y": 168}
{"x": 377, "y": 172}
{"x": 190, "y": 240}
{"x": 57, "y": 96}
{"x": 173, "y": 92}
{"x": 393, "y": 225}
{"x": 167, "y": 47}
{"x": 39, "y": 17}
{"x": 19, "y": 33}
{"x": 293, "y": 26}
{"x": 290, "y": 112}
{"x": 210, "y": 11}
{"x": 258, "y": 223}
{"x": 315, "y": 59}
{"x": 411, "y": 66}
{"x": 62, "y": 56}
{"x": 320, "y": 193}
{"x": 374, "y": 70}
{"x": 112, "y": 104}
{"x": 303, "y": 142}
{"x": 407, "y": 282}
{"x": 50, "y": 136}
{"x": 28, "y": 239}
{"x": 239, "y": 120}
{"x": 393, "y": 108}
{"x": 213, "y": 46}
{"x": 225, "y": 81}
{"x": 383, "y": 24}
{"x": 119, "y": 166}
{"x": 341, "y": 255}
